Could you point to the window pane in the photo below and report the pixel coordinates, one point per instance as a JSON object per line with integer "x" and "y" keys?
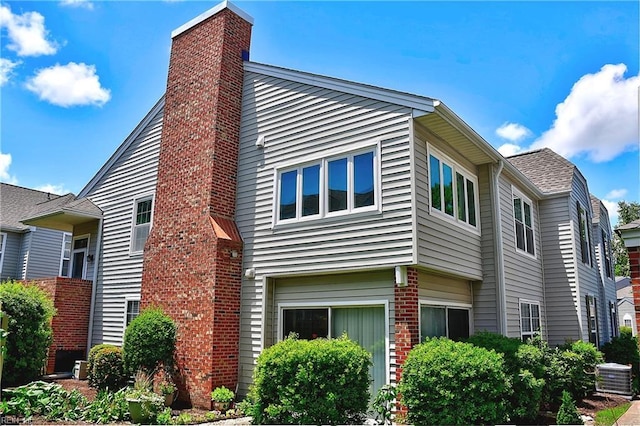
{"x": 434, "y": 175}
{"x": 288, "y": 195}
{"x": 143, "y": 212}
{"x": 447, "y": 183}
{"x": 338, "y": 185}
{"x": 80, "y": 243}
{"x": 133, "y": 310}
{"x": 140, "y": 234}
{"x": 307, "y": 323}
{"x": 520, "y": 235}
{"x": 462, "y": 207}
{"x": 458, "y": 323}
{"x": 64, "y": 272}
{"x": 311, "y": 190}
{"x": 78, "y": 265}
{"x": 363, "y": 180}
{"x": 527, "y": 214}
{"x": 517, "y": 209}
{"x": 530, "y": 244}
{"x": 471, "y": 202}
{"x": 433, "y": 321}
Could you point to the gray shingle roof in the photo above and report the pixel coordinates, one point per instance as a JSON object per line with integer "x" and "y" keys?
{"x": 547, "y": 170}
{"x": 17, "y": 202}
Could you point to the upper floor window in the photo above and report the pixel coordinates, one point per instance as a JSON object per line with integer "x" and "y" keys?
{"x": 3, "y": 241}
{"x": 585, "y": 234}
{"x": 606, "y": 254}
{"x": 529, "y": 319}
{"x": 330, "y": 186}
{"x": 142, "y": 216}
{"x": 523, "y": 220}
{"x": 65, "y": 256}
{"x": 453, "y": 190}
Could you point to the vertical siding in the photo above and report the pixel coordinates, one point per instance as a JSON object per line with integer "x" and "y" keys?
{"x": 442, "y": 245}
{"x": 485, "y": 294}
{"x": 299, "y": 123}
{"x": 523, "y": 272}
{"x": 12, "y": 256}
{"x": 44, "y": 254}
{"x": 120, "y": 274}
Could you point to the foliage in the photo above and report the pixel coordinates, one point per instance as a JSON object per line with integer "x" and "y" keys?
{"x": 92, "y": 354}
{"x": 610, "y": 416}
{"x": 183, "y": 419}
{"x": 623, "y": 349}
{"x": 50, "y": 400}
{"x": 151, "y": 404}
{"x": 149, "y": 340}
{"x": 321, "y": 381}
{"x": 30, "y": 311}
{"x": 383, "y": 403}
{"x": 524, "y": 367}
{"x": 166, "y": 388}
{"x": 164, "y": 418}
{"x": 107, "y": 370}
{"x": 568, "y": 413}
{"x": 108, "y": 407}
{"x": 222, "y": 394}
{"x": 627, "y": 213}
{"x": 447, "y": 382}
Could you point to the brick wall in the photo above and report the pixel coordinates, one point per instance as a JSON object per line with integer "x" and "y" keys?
{"x": 193, "y": 256}
{"x": 407, "y": 331}
{"x": 72, "y": 300}
{"x": 634, "y": 272}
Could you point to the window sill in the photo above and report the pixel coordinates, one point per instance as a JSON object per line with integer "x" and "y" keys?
{"x": 315, "y": 220}
{"x": 452, "y": 220}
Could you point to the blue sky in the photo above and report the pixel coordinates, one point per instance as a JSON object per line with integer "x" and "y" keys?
{"x": 77, "y": 76}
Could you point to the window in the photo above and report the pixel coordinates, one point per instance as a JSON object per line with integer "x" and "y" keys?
{"x": 613, "y": 319}
{"x": 133, "y": 310}
{"x": 627, "y": 320}
{"x": 65, "y": 256}
{"x": 142, "y": 215}
{"x": 453, "y": 190}
{"x": 585, "y": 235}
{"x": 3, "y": 241}
{"x": 523, "y": 219}
{"x": 529, "y": 319}
{"x": 331, "y": 186}
{"x": 79, "y": 257}
{"x": 592, "y": 319}
{"x": 444, "y": 321}
{"x": 363, "y": 324}
{"x": 606, "y": 254}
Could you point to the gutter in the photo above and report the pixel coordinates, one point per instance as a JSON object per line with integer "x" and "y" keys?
{"x": 499, "y": 253}
{"x": 94, "y": 285}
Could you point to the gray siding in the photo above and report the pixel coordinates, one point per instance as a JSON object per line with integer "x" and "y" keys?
{"x": 443, "y": 245}
{"x": 485, "y": 293}
{"x": 44, "y": 254}
{"x": 120, "y": 274}
{"x": 439, "y": 289}
{"x": 608, "y": 289}
{"x": 12, "y": 260}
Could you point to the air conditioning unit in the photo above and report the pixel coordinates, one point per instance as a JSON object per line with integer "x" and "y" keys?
{"x": 614, "y": 378}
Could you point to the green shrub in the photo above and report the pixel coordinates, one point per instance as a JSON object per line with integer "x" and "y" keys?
{"x": 107, "y": 370}
{"x": 446, "y": 382}
{"x": 30, "y": 311}
{"x": 310, "y": 382}
{"x": 568, "y": 413}
{"x": 149, "y": 340}
{"x": 49, "y": 400}
{"x": 623, "y": 349}
{"x": 524, "y": 365}
{"x": 92, "y": 354}
{"x": 108, "y": 407}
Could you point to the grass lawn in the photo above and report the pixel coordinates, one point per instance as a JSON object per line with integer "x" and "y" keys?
{"x": 609, "y": 416}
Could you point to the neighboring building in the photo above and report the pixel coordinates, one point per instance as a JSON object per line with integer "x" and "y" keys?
{"x": 626, "y": 307}
{"x": 253, "y": 201}
{"x": 28, "y": 252}
{"x": 630, "y": 234}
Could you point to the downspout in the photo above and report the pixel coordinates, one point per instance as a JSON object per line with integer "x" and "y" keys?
{"x": 499, "y": 252}
{"x": 94, "y": 285}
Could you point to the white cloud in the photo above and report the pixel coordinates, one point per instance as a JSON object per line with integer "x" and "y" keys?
{"x": 6, "y": 70}
{"x": 612, "y": 208}
{"x": 78, "y": 3}
{"x": 53, "y": 189}
{"x": 598, "y": 118}
{"x": 26, "y": 33}
{"x": 616, "y": 194}
{"x": 5, "y": 163}
{"x": 513, "y": 132}
{"x": 509, "y": 149}
{"x": 69, "y": 85}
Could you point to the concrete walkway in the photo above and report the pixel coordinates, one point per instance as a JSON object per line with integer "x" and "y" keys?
{"x": 632, "y": 416}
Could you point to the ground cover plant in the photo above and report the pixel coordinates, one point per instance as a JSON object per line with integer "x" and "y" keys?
{"x": 49, "y": 400}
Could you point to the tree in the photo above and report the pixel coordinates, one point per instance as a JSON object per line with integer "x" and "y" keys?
{"x": 627, "y": 212}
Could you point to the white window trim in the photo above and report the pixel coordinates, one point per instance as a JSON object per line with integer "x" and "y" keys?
{"x": 587, "y": 231}
{"x": 342, "y": 304}
{"x": 127, "y": 299}
{"x": 3, "y": 246}
{"x": 467, "y": 174}
{"x": 530, "y": 302}
{"x": 86, "y": 254}
{"x": 323, "y": 160}
{"x": 515, "y": 193}
{"x": 443, "y": 304}
{"x": 136, "y": 200}
{"x": 64, "y": 236}
{"x": 607, "y": 252}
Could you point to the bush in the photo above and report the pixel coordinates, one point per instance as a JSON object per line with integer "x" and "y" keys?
{"x": 92, "y": 354}
{"x": 446, "y": 382}
{"x": 30, "y": 311}
{"x": 623, "y": 349}
{"x": 568, "y": 413}
{"x": 107, "y": 369}
{"x": 524, "y": 365}
{"x": 311, "y": 382}
{"x": 149, "y": 340}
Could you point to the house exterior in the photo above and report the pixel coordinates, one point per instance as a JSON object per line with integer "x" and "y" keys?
{"x": 630, "y": 234}
{"x": 255, "y": 201}
{"x": 28, "y": 252}
{"x": 626, "y": 306}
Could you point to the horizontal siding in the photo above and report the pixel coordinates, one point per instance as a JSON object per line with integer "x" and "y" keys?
{"x": 45, "y": 253}
{"x": 120, "y": 274}
{"x": 442, "y": 245}
{"x": 485, "y": 294}
{"x": 435, "y": 288}
{"x": 12, "y": 257}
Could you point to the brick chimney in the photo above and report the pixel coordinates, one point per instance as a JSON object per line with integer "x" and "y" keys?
{"x": 193, "y": 256}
